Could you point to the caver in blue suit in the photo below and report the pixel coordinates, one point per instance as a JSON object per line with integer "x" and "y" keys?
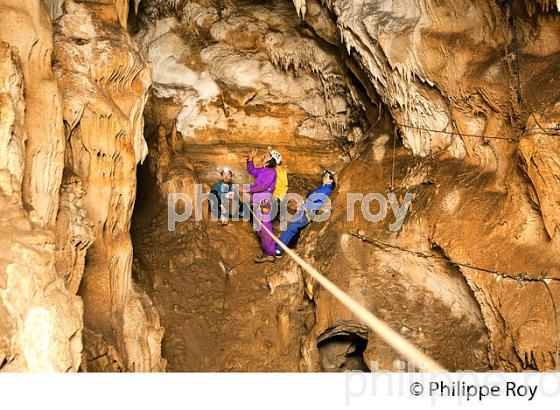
{"x": 315, "y": 200}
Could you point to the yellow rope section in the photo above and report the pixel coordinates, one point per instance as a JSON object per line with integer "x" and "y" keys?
{"x": 392, "y": 338}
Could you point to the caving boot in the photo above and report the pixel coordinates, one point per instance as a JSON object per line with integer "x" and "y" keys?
{"x": 265, "y": 258}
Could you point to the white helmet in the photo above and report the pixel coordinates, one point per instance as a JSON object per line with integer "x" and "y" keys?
{"x": 330, "y": 173}
{"x": 276, "y": 155}
{"x": 226, "y": 169}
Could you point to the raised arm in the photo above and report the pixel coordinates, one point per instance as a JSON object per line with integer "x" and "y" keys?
{"x": 251, "y": 169}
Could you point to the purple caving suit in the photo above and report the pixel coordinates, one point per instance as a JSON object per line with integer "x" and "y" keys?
{"x": 262, "y": 189}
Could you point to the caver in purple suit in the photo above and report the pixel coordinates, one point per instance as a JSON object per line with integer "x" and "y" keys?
{"x": 261, "y": 190}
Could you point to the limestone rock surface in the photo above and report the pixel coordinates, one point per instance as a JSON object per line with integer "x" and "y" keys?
{"x": 104, "y": 81}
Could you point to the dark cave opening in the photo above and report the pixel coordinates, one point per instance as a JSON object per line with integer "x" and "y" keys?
{"x": 342, "y": 348}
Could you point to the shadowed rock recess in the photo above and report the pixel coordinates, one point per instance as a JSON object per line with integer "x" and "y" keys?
{"x": 106, "y": 107}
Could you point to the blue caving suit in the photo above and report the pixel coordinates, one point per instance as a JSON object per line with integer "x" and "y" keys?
{"x": 311, "y": 205}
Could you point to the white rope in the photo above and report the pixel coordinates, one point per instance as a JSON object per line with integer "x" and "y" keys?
{"x": 392, "y": 338}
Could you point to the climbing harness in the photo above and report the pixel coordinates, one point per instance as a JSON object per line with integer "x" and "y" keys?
{"x": 384, "y": 331}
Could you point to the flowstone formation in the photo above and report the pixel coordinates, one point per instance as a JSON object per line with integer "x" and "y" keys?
{"x": 41, "y": 326}
{"x": 104, "y": 81}
{"x": 71, "y": 139}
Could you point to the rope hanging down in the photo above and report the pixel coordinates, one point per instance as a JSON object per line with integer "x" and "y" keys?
{"x": 392, "y": 338}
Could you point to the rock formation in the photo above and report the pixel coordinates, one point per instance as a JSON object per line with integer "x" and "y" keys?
{"x": 242, "y": 74}
{"x": 41, "y": 326}
{"x": 446, "y": 80}
{"x": 67, "y": 232}
{"x": 104, "y": 82}
{"x": 455, "y": 103}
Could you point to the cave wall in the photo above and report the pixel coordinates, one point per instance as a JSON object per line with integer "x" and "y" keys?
{"x": 41, "y": 326}
{"x": 477, "y": 156}
{"x": 27, "y": 27}
{"x": 72, "y": 126}
{"x": 470, "y": 268}
{"x": 231, "y": 76}
{"x": 453, "y": 73}
{"x": 449, "y": 66}
{"x": 437, "y": 70}
{"x": 104, "y": 82}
